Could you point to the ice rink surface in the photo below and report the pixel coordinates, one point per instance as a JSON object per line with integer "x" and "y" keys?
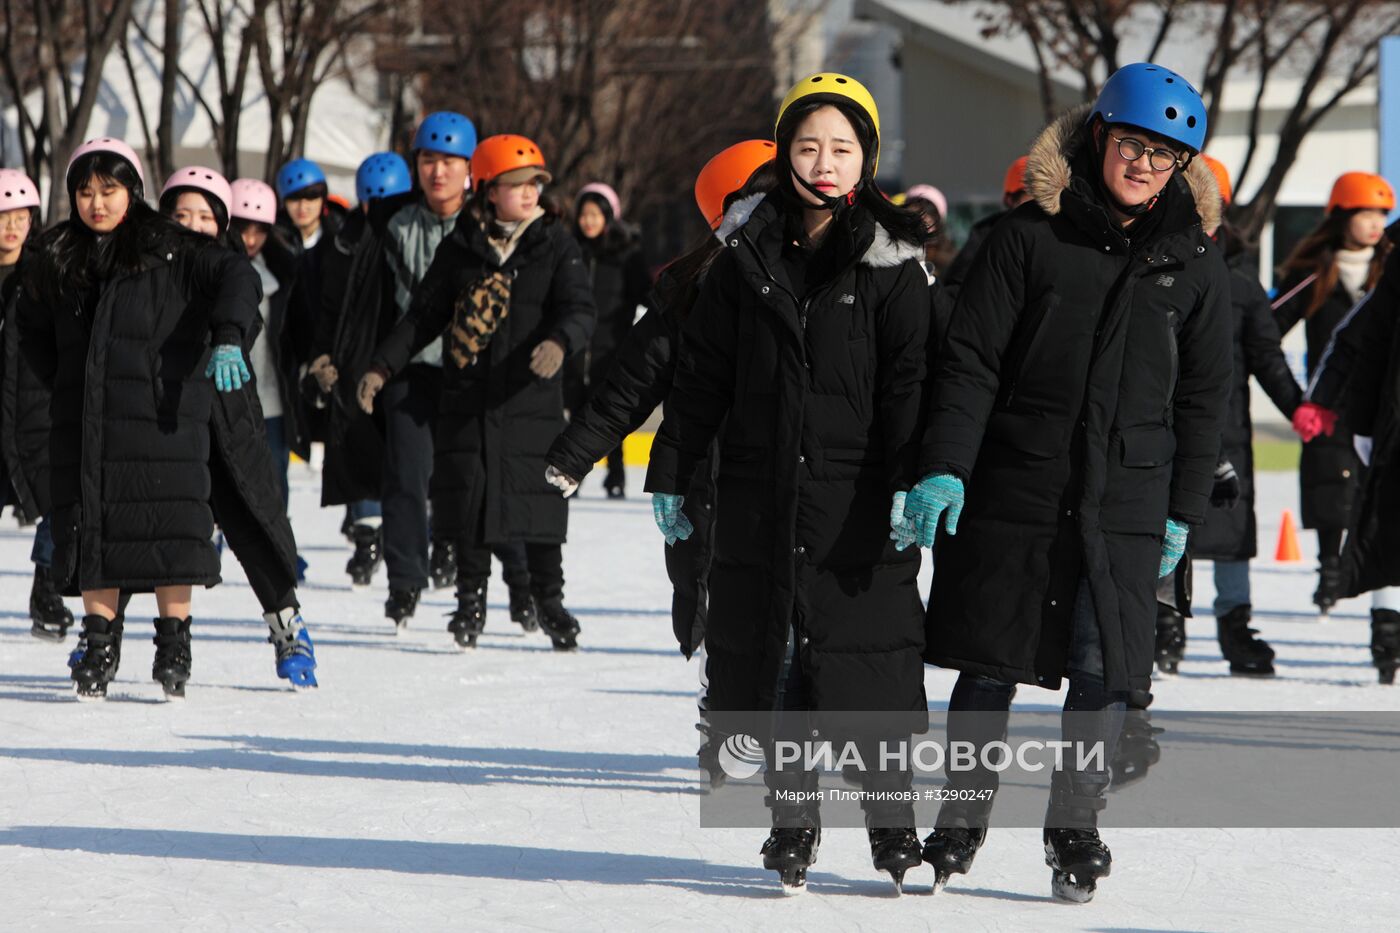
{"x": 423, "y": 788}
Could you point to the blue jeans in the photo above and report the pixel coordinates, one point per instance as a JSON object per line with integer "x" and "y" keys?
{"x": 1231, "y": 585}
{"x": 363, "y": 508}
{"x": 281, "y": 453}
{"x": 42, "y": 554}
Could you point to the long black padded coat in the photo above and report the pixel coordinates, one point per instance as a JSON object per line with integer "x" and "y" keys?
{"x": 1359, "y": 374}
{"x": 496, "y": 418}
{"x": 819, "y": 396}
{"x": 133, "y": 413}
{"x": 1079, "y": 396}
{"x": 1329, "y": 473}
{"x": 638, "y": 382}
{"x": 24, "y": 415}
{"x": 1231, "y": 534}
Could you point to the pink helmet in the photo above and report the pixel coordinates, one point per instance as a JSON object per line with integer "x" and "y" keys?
{"x": 253, "y": 200}
{"x": 114, "y": 146}
{"x": 202, "y": 179}
{"x": 607, "y": 194}
{"x": 932, "y": 195}
{"x": 16, "y": 190}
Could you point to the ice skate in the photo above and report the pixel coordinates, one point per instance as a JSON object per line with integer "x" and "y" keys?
{"x": 1171, "y": 639}
{"x": 400, "y": 607}
{"x": 895, "y": 851}
{"x": 296, "y": 656}
{"x": 950, "y": 850}
{"x": 559, "y": 624}
{"x": 369, "y": 554}
{"x": 442, "y": 565}
{"x": 1385, "y": 643}
{"x": 469, "y": 619}
{"x": 790, "y": 852}
{"x": 171, "y": 668}
{"x": 1077, "y": 860}
{"x": 101, "y": 644}
{"x": 1248, "y": 655}
{"x": 49, "y": 618}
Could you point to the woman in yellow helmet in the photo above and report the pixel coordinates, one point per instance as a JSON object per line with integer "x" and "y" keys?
{"x": 804, "y": 356}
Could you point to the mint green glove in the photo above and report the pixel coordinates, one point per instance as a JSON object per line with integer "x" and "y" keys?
{"x": 1173, "y": 546}
{"x": 228, "y": 368}
{"x": 666, "y": 509}
{"x": 918, "y": 513}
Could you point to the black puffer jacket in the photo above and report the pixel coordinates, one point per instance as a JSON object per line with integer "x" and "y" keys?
{"x": 130, "y": 442}
{"x": 1230, "y": 534}
{"x": 819, "y": 394}
{"x": 955, "y": 277}
{"x": 639, "y": 382}
{"x": 1079, "y": 396}
{"x": 1329, "y": 473}
{"x": 496, "y": 419}
{"x": 1360, "y": 374}
{"x": 289, "y": 328}
{"x": 24, "y": 414}
{"x": 618, "y": 272}
{"x": 357, "y": 311}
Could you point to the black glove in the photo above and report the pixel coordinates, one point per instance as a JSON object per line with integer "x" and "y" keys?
{"x": 1225, "y": 494}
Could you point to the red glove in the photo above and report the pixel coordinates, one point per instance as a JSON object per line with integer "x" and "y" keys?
{"x": 1311, "y": 419}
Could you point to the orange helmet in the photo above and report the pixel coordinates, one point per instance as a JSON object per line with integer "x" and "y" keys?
{"x": 726, "y": 173}
{"x": 1222, "y": 177}
{"x": 1015, "y": 181}
{"x": 1359, "y": 191}
{"x": 507, "y": 158}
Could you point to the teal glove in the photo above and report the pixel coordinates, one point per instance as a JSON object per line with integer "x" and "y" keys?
{"x": 666, "y": 508}
{"x": 917, "y": 514}
{"x": 228, "y": 368}
{"x": 900, "y": 531}
{"x": 1173, "y": 546}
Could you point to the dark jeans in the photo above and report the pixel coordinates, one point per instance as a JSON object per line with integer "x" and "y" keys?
{"x": 410, "y": 402}
{"x": 1091, "y": 714}
{"x": 538, "y": 566}
{"x": 281, "y": 453}
{"x": 42, "y": 553}
{"x": 363, "y": 508}
{"x": 474, "y": 564}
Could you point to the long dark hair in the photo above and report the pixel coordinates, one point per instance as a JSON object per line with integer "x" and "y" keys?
{"x": 169, "y": 198}
{"x": 1316, "y": 254}
{"x": 616, "y": 235}
{"x": 77, "y": 257}
{"x": 902, "y": 224}
{"x": 682, "y": 275}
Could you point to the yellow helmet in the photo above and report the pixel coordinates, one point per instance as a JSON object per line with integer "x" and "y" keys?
{"x": 831, "y": 87}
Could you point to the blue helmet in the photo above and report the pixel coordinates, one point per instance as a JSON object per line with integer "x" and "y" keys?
{"x": 1155, "y": 99}
{"x": 298, "y": 174}
{"x": 381, "y": 175}
{"x": 446, "y": 132}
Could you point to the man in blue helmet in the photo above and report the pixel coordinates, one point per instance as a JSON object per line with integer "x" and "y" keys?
{"x": 385, "y": 263}
{"x": 1071, "y": 442}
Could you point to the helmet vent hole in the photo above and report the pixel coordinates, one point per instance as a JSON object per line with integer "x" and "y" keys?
{"x": 1171, "y": 113}
{"x": 817, "y": 79}
{"x": 1171, "y": 80}
{"x": 1191, "y": 122}
{"x": 840, "y": 80}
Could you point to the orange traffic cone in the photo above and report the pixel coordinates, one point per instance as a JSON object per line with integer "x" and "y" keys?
{"x": 1288, "y": 550}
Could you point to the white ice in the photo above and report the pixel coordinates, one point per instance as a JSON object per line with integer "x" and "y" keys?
{"x": 511, "y": 787}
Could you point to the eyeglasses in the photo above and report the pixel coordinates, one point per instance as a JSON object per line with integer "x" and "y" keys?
{"x": 15, "y": 219}
{"x": 1161, "y": 160}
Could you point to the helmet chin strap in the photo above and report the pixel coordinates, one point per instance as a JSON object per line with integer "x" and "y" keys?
{"x": 828, "y": 202}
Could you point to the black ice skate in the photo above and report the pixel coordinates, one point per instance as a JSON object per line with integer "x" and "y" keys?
{"x": 1329, "y": 585}
{"x": 369, "y": 554}
{"x": 171, "y": 668}
{"x": 102, "y": 655}
{"x": 1171, "y": 639}
{"x": 469, "y": 619}
{"x": 522, "y": 609}
{"x": 559, "y": 624}
{"x": 400, "y": 607}
{"x": 1077, "y": 859}
{"x": 1385, "y": 643}
{"x": 442, "y": 565}
{"x": 790, "y": 852}
{"x": 895, "y": 851}
{"x": 950, "y": 850}
{"x": 49, "y": 618}
{"x": 1247, "y": 655}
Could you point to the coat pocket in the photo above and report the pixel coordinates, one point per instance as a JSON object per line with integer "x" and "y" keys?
{"x": 66, "y": 525}
{"x": 1151, "y": 446}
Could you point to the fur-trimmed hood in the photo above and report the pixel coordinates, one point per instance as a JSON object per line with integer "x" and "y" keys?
{"x": 884, "y": 251}
{"x": 1048, "y": 169}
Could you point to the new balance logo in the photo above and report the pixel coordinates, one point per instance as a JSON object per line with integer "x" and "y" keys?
{"x": 1165, "y": 281}
{"x": 846, "y": 300}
